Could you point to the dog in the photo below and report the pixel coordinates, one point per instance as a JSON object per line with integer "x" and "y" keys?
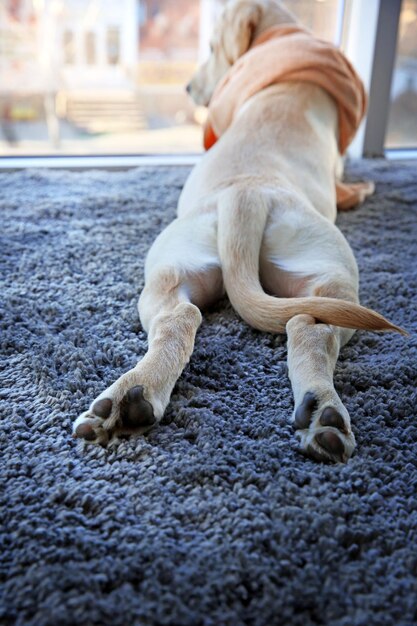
{"x": 255, "y": 221}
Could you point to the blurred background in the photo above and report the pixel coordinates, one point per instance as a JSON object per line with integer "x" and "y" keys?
{"x": 107, "y": 76}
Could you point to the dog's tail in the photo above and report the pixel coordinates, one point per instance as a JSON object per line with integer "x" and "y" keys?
{"x": 242, "y": 216}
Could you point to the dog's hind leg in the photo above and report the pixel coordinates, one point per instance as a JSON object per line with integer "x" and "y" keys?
{"x": 182, "y": 276}
{"x": 320, "y": 418}
{"x": 308, "y": 256}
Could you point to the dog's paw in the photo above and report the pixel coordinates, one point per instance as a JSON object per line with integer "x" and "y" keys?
{"x": 323, "y": 426}
{"x": 120, "y": 410}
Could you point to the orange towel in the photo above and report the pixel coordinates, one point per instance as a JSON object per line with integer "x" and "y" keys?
{"x": 290, "y": 53}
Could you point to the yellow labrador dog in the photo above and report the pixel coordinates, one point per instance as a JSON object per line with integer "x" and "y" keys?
{"x": 255, "y": 220}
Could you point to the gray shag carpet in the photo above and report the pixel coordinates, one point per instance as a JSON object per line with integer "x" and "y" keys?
{"x": 214, "y": 518}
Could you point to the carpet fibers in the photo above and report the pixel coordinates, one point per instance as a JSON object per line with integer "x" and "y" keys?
{"x": 214, "y": 518}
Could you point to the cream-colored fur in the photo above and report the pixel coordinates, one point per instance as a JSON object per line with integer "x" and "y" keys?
{"x": 256, "y": 215}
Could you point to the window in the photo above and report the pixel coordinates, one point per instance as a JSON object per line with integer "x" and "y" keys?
{"x": 108, "y": 76}
{"x": 69, "y": 47}
{"x": 323, "y": 17}
{"x": 90, "y": 48}
{"x": 402, "y": 122}
{"x": 113, "y": 46}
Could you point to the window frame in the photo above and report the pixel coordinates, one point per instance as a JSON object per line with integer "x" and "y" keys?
{"x": 370, "y": 42}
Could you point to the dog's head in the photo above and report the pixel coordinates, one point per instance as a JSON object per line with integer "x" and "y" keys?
{"x": 241, "y": 22}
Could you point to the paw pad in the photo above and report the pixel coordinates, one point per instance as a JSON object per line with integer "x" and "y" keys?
{"x": 330, "y": 442}
{"x": 330, "y": 417}
{"x": 85, "y": 431}
{"x": 102, "y": 408}
{"x": 135, "y": 410}
{"x": 304, "y": 411}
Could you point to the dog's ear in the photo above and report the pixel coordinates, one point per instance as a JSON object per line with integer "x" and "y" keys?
{"x": 239, "y": 28}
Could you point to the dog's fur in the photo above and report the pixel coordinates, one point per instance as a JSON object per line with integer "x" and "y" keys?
{"x": 258, "y": 209}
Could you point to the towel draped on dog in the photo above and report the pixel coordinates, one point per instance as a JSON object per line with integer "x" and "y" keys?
{"x": 290, "y": 53}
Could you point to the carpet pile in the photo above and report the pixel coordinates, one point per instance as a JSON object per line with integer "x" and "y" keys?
{"x": 214, "y": 518}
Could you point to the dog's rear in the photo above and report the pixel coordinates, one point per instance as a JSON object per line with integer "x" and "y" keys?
{"x": 242, "y": 217}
